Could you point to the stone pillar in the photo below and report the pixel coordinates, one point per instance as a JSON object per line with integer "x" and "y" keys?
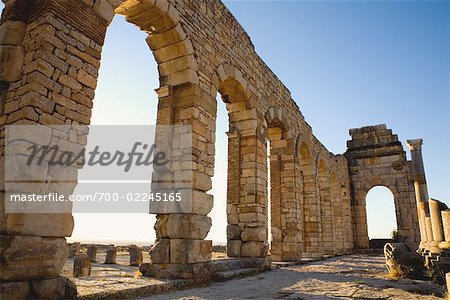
{"x": 135, "y": 255}
{"x": 338, "y": 213}
{"x": 326, "y": 209}
{"x": 74, "y": 248}
{"x": 436, "y": 223}
{"x": 446, "y": 229}
{"x": 38, "y": 85}
{"x": 81, "y": 266}
{"x": 312, "y": 219}
{"x": 111, "y": 256}
{"x": 420, "y": 186}
{"x": 447, "y": 280}
{"x": 180, "y": 243}
{"x": 252, "y": 207}
{"x": 92, "y": 252}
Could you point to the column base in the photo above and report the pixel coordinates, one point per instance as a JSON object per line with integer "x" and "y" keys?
{"x": 444, "y": 245}
{"x": 434, "y": 247}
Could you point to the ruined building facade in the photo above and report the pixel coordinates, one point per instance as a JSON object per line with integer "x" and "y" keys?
{"x": 50, "y": 53}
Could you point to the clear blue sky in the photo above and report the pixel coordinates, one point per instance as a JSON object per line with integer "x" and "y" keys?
{"x": 347, "y": 64}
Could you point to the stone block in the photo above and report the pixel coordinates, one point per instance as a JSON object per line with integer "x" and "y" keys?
{"x": 14, "y": 290}
{"x": 254, "y": 234}
{"x": 74, "y": 249}
{"x": 160, "y": 40}
{"x": 173, "y": 51}
{"x": 31, "y": 257}
{"x": 201, "y": 181}
{"x": 233, "y": 232}
{"x": 446, "y": 224}
{"x": 159, "y": 254}
{"x": 87, "y": 79}
{"x": 182, "y": 226}
{"x": 190, "y": 251}
{"x": 135, "y": 255}
{"x": 111, "y": 256}
{"x": 104, "y": 9}
{"x": 70, "y": 82}
{"x": 200, "y": 272}
{"x": 81, "y": 266}
{"x": 11, "y": 61}
{"x": 55, "y": 288}
{"x": 39, "y": 224}
{"x": 253, "y": 249}
{"x": 202, "y": 203}
{"x": 92, "y": 252}
{"x": 11, "y": 33}
{"x": 234, "y": 248}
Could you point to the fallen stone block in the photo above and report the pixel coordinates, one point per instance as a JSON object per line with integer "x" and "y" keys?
{"x": 92, "y": 253}
{"x": 111, "y": 256}
{"x": 135, "y": 255}
{"x": 81, "y": 266}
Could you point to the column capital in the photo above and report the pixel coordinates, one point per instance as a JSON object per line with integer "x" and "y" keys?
{"x": 415, "y": 144}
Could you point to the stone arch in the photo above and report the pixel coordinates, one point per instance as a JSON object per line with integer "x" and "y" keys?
{"x": 275, "y": 119}
{"x": 326, "y": 209}
{"x": 171, "y": 46}
{"x": 311, "y": 223}
{"x": 285, "y": 210}
{"x": 376, "y": 157}
{"x": 60, "y": 56}
{"x": 231, "y": 84}
{"x": 246, "y": 206}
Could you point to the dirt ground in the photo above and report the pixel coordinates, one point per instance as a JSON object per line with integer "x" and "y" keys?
{"x": 346, "y": 277}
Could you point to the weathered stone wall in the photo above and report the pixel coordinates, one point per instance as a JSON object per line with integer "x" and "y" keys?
{"x": 50, "y": 53}
{"x": 376, "y": 158}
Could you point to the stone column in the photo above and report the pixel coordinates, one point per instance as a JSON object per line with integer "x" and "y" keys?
{"x": 420, "y": 186}
{"x": 436, "y": 224}
{"x": 92, "y": 252}
{"x": 180, "y": 246}
{"x": 446, "y": 227}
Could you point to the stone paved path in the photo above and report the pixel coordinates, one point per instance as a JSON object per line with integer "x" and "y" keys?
{"x": 346, "y": 277}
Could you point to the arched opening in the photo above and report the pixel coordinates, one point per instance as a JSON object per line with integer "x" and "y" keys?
{"x": 381, "y": 216}
{"x": 219, "y": 181}
{"x": 275, "y": 144}
{"x": 128, "y": 99}
{"x": 233, "y": 168}
{"x": 284, "y": 243}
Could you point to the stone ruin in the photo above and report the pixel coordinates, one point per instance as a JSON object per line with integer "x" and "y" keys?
{"x": 50, "y": 52}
